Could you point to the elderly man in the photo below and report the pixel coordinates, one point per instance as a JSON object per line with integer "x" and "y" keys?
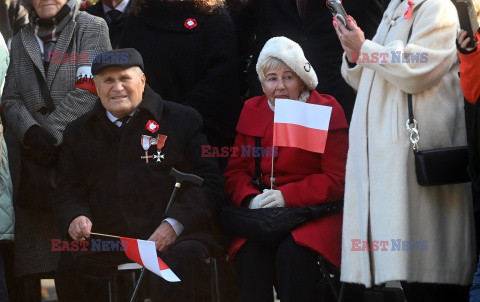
{"x": 114, "y": 179}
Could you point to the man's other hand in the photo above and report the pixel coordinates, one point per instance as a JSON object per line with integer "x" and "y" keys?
{"x": 80, "y": 228}
{"x": 163, "y": 236}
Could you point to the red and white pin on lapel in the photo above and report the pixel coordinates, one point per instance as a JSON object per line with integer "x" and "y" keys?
{"x": 151, "y": 126}
{"x": 190, "y": 23}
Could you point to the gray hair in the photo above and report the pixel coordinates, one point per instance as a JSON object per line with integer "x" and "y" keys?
{"x": 269, "y": 63}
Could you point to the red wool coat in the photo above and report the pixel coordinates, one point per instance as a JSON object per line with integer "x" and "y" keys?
{"x": 304, "y": 178}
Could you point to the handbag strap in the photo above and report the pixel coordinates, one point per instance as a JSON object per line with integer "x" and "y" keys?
{"x": 411, "y": 122}
{"x": 47, "y": 97}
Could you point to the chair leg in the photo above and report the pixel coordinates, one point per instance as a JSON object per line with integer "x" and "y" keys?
{"x": 110, "y": 291}
{"x": 215, "y": 285}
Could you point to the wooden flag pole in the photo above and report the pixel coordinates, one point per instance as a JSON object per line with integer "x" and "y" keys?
{"x": 273, "y": 146}
{"x": 105, "y": 235}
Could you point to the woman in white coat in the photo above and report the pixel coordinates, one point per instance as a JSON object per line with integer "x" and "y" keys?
{"x": 394, "y": 229}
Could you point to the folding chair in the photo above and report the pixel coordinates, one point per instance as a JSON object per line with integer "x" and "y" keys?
{"x": 134, "y": 268}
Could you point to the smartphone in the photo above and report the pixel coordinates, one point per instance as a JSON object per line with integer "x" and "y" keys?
{"x": 337, "y": 10}
{"x": 468, "y": 18}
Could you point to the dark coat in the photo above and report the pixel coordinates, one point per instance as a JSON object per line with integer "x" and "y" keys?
{"x": 261, "y": 20}
{"x": 103, "y": 177}
{"x": 115, "y": 28}
{"x": 195, "y": 67}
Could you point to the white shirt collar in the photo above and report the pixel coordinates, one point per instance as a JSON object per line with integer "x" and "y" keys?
{"x": 122, "y": 7}
{"x": 110, "y": 116}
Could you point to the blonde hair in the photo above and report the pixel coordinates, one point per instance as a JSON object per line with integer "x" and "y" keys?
{"x": 203, "y": 6}
{"x": 269, "y": 63}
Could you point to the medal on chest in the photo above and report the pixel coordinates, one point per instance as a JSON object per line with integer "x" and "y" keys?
{"x": 147, "y": 141}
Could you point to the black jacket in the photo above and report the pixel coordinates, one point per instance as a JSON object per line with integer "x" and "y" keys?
{"x": 103, "y": 177}
{"x": 261, "y": 20}
{"x": 195, "y": 67}
{"x": 115, "y": 28}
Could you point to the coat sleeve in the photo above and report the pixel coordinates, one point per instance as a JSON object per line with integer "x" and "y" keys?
{"x": 195, "y": 206}
{"x": 351, "y": 75}
{"x": 94, "y": 39}
{"x": 470, "y": 73}
{"x": 327, "y": 186}
{"x": 238, "y": 174}
{"x": 15, "y": 111}
{"x": 70, "y": 199}
{"x": 432, "y": 48}
{"x": 4, "y": 61}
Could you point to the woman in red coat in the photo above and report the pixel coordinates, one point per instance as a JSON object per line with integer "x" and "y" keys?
{"x": 301, "y": 178}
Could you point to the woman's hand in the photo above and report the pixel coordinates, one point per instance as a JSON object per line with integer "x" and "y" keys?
{"x": 351, "y": 40}
{"x": 463, "y": 40}
{"x": 268, "y": 199}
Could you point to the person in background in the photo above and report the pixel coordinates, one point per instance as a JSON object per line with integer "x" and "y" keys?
{"x": 302, "y": 178}
{"x": 13, "y": 16}
{"x": 190, "y": 56}
{"x": 115, "y": 12}
{"x": 6, "y": 190}
{"x": 469, "y": 80}
{"x": 307, "y": 22}
{"x": 383, "y": 200}
{"x": 48, "y": 85}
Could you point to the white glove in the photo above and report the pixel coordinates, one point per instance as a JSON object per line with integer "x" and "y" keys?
{"x": 273, "y": 199}
{"x": 258, "y": 201}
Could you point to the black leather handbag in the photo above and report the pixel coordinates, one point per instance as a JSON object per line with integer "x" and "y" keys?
{"x": 440, "y": 166}
{"x": 270, "y": 225}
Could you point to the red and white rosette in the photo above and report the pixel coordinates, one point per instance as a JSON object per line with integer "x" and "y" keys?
{"x": 190, "y": 23}
{"x": 151, "y": 126}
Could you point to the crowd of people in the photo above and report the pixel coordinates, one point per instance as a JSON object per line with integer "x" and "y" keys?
{"x": 98, "y": 105}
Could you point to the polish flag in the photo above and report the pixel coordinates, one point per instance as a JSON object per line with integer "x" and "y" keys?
{"x": 301, "y": 125}
{"x": 144, "y": 253}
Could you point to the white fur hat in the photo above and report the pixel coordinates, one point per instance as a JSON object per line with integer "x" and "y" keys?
{"x": 291, "y": 54}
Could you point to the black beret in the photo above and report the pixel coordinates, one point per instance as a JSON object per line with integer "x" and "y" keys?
{"x": 125, "y": 57}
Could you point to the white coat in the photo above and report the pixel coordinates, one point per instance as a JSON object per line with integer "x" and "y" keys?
{"x": 383, "y": 201}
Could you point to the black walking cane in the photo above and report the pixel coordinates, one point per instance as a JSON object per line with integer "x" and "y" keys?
{"x": 180, "y": 178}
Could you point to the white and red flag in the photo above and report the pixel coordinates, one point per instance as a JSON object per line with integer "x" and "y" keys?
{"x": 144, "y": 253}
{"x": 301, "y": 125}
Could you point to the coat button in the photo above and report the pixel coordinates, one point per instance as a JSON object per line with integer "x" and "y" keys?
{"x": 393, "y": 23}
{"x": 385, "y": 16}
{"x": 43, "y": 110}
{"x": 303, "y": 38}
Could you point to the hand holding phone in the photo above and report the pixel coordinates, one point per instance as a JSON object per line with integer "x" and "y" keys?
{"x": 338, "y": 12}
{"x": 468, "y": 19}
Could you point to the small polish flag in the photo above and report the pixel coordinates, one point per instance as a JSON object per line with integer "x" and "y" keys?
{"x": 301, "y": 125}
{"x": 144, "y": 253}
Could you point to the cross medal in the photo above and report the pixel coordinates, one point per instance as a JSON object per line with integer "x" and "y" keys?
{"x": 148, "y": 141}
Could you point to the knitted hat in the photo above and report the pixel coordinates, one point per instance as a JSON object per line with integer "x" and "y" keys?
{"x": 291, "y": 54}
